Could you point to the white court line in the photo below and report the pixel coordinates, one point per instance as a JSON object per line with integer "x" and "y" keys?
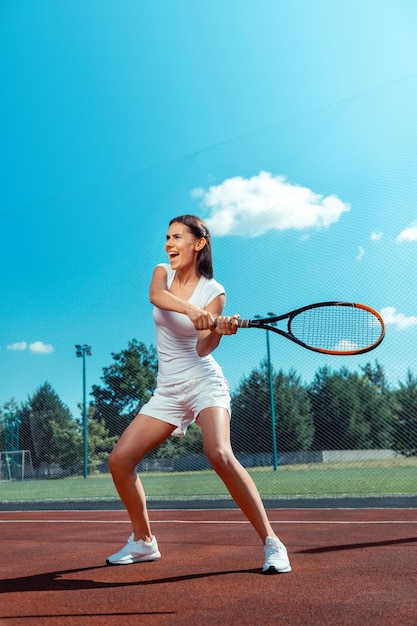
{"x": 174, "y": 521}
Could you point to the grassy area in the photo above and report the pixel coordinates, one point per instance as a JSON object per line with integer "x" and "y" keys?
{"x": 337, "y": 479}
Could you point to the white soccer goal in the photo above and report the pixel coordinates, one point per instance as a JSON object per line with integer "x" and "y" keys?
{"x": 16, "y": 465}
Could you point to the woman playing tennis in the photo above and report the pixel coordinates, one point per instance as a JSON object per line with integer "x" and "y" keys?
{"x": 188, "y": 305}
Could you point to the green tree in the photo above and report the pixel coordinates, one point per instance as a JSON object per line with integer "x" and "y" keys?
{"x": 377, "y": 406}
{"x": 252, "y": 415}
{"x": 405, "y": 410}
{"x": 9, "y": 409}
{"x": 294, "y": 416}
{"x": 376, "y": 376}
{"x": 128, "y": 383}
{"x": 10, "y": 438}
{"x": 49, "y": 432}
{"x": 100, "y": 444}
{"x": 338, "y": 413}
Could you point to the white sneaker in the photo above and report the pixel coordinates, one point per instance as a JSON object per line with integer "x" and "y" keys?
{"x": 135, "y": 552}
{"x": 276, "y": 557}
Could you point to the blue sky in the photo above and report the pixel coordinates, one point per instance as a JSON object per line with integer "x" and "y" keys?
{"x": 289, "y": 126}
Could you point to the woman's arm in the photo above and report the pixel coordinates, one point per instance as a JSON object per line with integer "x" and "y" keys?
{"x": 225, "y": 325}
{"x": 163, "y": 299}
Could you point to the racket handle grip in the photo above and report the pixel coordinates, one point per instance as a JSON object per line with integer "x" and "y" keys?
{"x": 240, "y": 323}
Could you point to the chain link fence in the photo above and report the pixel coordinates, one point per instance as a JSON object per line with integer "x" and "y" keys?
{"x": 304, "y": 425}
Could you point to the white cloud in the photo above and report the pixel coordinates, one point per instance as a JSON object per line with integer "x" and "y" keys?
{"x": 40, "y": 347}
{"x": 37, "y": 347}
{"x": 250, "y": 207}
{"x": 409, "y": 233}
{"x": 376, "y": 236}
{"x": 390, "y": 316}
{"x": 19, "y": 345}
{"x": 361, "y": 253}
{"x": 346, "y": 345}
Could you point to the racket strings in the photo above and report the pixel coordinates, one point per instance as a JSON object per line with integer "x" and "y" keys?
{"x": 336, "y": 328}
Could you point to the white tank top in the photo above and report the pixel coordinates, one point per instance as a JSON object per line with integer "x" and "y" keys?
{"x": 176, "y": 337}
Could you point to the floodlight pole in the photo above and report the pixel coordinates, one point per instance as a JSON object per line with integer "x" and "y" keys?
{"x": 82, "y": 351}
{"x": 271, "y": 398}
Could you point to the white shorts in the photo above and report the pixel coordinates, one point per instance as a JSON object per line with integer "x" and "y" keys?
{"x": 180, "y": 404}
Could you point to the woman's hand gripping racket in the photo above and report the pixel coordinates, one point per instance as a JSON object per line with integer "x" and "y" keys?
{"x": 339, "y": 328}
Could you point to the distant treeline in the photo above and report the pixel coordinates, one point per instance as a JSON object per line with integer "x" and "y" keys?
{"x": 339, "y": 410}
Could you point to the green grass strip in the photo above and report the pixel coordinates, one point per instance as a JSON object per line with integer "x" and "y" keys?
{"x": 355, "y": 479}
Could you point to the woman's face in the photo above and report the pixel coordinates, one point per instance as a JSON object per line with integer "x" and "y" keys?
{"x": 182, "y": 246}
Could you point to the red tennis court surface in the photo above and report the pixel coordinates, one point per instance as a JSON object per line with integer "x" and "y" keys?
{"x": 350, "y": 566}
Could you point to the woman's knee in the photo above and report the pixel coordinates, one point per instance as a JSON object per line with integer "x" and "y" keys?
{"x": 113, "y": 461}
{"x": 221, "y": 459}
{"x": 119, "y": 461}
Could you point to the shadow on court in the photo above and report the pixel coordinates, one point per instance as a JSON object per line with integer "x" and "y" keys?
{"x": 359, "y": 546}
{"x": 56, "y": 581}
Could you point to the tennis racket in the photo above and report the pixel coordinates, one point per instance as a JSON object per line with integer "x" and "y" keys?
{"x": 339, "y": 328}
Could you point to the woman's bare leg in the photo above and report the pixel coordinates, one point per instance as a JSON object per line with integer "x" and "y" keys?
{"x": 215, "y": 428}
{"x": 142, "y": 435}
